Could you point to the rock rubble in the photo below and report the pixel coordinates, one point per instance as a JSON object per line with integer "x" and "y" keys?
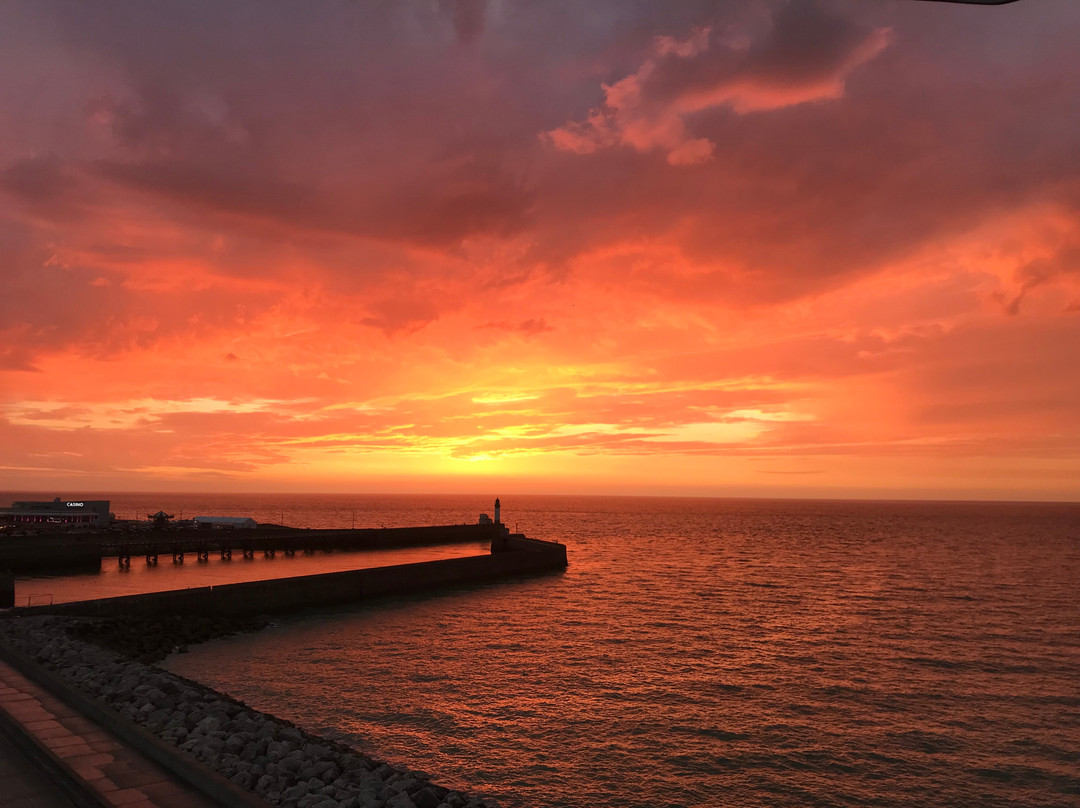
{"x": 276, "y": 760}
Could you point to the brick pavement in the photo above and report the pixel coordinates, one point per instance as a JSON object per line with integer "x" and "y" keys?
{"x": 110, "y": 771}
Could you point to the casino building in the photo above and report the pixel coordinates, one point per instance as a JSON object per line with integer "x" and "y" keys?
{"x": 57, "y": 512}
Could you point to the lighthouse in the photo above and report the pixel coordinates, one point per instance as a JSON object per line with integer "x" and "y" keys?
{"x": 497, "y": 520}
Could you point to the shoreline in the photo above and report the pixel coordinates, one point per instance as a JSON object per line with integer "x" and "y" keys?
{"x": 268, "y": 756}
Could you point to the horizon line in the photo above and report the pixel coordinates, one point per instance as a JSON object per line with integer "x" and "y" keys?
{"x": 765, "y": 498}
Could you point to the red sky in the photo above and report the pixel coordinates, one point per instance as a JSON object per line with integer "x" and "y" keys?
{"x": 728, "y": 248}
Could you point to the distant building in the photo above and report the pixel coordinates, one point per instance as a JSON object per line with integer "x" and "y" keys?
{"x": 57, "y": 512}
{"x": 225, "y": 521}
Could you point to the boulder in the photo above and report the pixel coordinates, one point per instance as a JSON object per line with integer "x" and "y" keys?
{"x": 426, "y": 797}
{"x": 402, "y": 800}
{"x": 295, "y": 793}
{"x": 236, "y": 743}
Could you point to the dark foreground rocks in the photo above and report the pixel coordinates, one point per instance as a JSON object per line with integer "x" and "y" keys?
{"x": 151, "y": 639}
{"x": 273, "y": 758}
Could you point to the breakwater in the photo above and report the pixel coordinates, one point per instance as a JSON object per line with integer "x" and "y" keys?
{"x": 511, "y": 554}
{"x": 66, "y": 550}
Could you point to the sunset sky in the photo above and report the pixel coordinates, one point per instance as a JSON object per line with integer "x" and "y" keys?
{"x": 753, "y": 247}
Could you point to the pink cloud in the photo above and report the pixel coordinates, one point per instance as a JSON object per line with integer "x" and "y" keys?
{"x": 807, "y": 56}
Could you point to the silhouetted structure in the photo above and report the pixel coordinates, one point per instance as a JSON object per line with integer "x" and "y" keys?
{"x": 57, "y": 512}
{"x": 486, "y": 520}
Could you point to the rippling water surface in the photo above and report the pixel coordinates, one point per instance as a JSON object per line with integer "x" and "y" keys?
{"x": 711, "y": 652}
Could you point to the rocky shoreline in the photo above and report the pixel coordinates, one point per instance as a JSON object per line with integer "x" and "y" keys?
{"x": 151, "y": 639}
{"x": 268, "y": 756}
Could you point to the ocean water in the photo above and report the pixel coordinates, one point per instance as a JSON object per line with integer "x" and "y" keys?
{"x": 709, "y": 653}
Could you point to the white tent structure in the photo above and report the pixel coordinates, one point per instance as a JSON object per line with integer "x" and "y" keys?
{"x": 225, "y": 521}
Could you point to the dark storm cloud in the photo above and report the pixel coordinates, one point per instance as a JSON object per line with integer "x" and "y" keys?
{"x": 798, "y": 198}
{"x": 226, "y": 188}
{"x": 804, "y": 45}
{"x": 440, "y": 210}
{"x": 47, "y": 188}
{"x": 468, "y": 16}
{"x": 807, "y": 43}
{"x": 284, "y": 123}
{"x": 357, "y": 119}
{"x": 37, "y": 179}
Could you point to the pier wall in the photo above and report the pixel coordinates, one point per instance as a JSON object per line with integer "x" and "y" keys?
{"x": 511, "y": 555}
{"x": 61, "y": 551}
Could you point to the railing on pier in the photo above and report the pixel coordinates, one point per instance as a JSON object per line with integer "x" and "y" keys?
{"x": 178, "y": 551}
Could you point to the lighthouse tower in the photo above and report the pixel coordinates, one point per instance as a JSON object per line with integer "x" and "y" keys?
{"x": 497, "y": 519}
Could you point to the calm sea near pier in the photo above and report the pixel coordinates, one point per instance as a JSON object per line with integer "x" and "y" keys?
{"x": 702, "y": 653}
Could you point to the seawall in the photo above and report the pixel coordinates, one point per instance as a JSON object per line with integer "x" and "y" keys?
{"x": 511, "y": 555}
{"x": 186, "y": 727}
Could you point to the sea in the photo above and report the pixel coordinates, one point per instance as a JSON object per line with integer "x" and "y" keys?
{"x": 696, "y": 652}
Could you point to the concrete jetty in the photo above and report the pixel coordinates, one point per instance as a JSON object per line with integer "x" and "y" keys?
{"x": 61, "y": 550}
{"x": 511, "y": 555}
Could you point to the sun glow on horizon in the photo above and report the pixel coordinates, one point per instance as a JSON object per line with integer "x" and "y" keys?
{"x": 717, "y": 257}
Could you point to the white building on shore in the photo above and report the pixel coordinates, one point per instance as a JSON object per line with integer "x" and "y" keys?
{"x": 225, "y": 521}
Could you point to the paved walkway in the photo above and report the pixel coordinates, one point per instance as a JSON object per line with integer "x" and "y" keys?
{"x": 109, "y": 771}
